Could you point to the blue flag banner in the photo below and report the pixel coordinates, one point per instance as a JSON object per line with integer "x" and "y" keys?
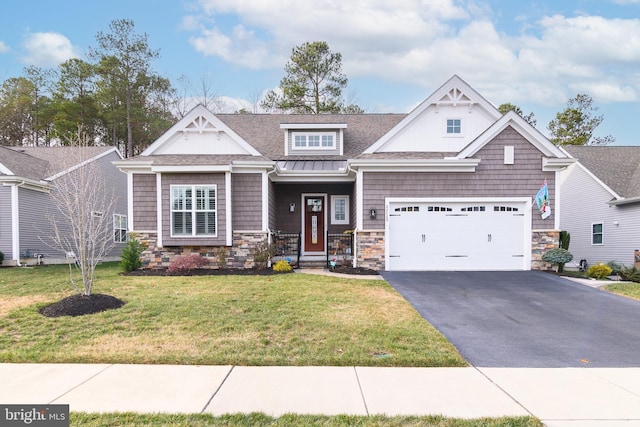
{"x": 542, "y": 200}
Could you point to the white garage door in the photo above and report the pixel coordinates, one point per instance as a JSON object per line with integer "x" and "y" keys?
{"x": 457, "y": 235}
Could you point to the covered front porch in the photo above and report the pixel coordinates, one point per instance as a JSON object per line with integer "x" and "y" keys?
{"x": 312, "y": 223}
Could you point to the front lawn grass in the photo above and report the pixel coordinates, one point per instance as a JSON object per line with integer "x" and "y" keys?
{"x": 289, "y": 420}
{"x": 627, "y": 289}
{"x": 287, "y": 319}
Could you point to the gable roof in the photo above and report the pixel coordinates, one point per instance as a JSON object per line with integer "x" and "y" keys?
{"x": 14, "y": 162}
{"x": 520, "y": 125}
{"x": 453, "y": 92}
{"x": 617, "y": 167}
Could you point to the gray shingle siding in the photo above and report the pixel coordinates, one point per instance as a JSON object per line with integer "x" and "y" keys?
{"x": 145, "y": 213}
{"x": 247, "y": 201}
{"x": 492, "y": 179}
{"x": 221, "y": 202}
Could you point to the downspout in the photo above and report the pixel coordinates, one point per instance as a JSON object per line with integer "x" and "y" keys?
{"x": 359, "y": 213}
{"x": 15, "y": 223}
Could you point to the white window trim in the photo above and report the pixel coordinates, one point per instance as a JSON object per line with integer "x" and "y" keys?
{"x": 306, "y": 139}
{"x": 453, "y": 135}
{"x": 601, "y": 233}
{"x": 193, "y": 211}
{"x": 117, "y": 219}
{"x": 346, "y": 210}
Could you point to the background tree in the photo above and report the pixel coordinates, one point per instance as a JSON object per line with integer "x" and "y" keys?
{"x": 82, "y": 216}
{"x": 16, "y": 100}
{"x": 75, "y": 101}
{"x": 124, "y": 65}
{"x": 313, "y": 83}
{"x": 506, "y": 107}
{"x": 576, "y": 124}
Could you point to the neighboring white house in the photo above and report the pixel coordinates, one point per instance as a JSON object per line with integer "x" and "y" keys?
{"x": 600, "y": 203}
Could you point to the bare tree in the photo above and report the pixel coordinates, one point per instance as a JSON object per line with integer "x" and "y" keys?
{"x": 83, "y": 213}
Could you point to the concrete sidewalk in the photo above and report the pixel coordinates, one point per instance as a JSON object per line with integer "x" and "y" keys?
{"x": 559, "y": 397}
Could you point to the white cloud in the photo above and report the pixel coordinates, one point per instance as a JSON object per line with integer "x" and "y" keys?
{"x": 47, "y": 49}
{"x": 421, "y": 42}
{"x": 3, "y": 47}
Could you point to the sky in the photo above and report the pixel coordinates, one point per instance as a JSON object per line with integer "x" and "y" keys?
{"x": 536, "y": 55}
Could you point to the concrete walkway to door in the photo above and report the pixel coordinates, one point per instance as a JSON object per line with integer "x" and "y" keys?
{"x": 525, "y": 319}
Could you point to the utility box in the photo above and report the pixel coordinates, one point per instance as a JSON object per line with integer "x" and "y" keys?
{"x": 636, "y": 258}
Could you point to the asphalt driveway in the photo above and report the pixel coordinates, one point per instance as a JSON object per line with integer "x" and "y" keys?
{"x": 526, "y": 318}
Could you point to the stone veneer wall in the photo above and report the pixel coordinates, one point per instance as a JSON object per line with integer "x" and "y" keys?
{"x": 240, "y": 255}
{"x": 542, "y": 241}
{"x": 370, "y": 252}
{"x": 370, "y": 249}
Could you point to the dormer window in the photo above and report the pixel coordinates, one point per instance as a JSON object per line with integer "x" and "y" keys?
{"x": 315, "y": 140}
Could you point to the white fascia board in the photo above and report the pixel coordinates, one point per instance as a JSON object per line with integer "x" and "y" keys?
{"x": 133, "y": 166}
{"x": 5, "y": 170}
{"x": 249, "y": 166}
{"x": 191, "y": 169}
{"x": 86, "y": 162}
{"x": 555, "y": 164}
{"x": 31, "y": 184}
{"x": 312, "y": 178}
{"x": 628, "y": 201}
{"x": 431, "y": 165}
{"x": 313, "y": 126}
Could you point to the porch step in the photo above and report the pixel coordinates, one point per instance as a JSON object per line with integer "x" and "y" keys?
{"x": 313, "y": 264}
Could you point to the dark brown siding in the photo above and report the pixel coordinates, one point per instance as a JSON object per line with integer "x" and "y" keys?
{"x": 193, "y": 179}
{"x": 145, "y": 214}
{"x": 247, "y": 201}
{"x": 492, "y": 179}
{"x": 286, "y": 194}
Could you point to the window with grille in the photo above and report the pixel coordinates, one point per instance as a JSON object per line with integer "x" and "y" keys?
{"x": 193, "y": 210}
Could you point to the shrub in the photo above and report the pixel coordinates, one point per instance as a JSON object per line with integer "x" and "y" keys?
{"x": 130, "y": 255}
{"x": 282, "y": 266}
{"x": 599, "y": 271}
{"x": 184, "y": 264}
{"x": 615, "y": 267}
{"x": 221, "y": 255}
{"x": 630, "y": 273}
{"x": 557, "y": 256}
{"x": 565, "y": 239}
{"x": 1, "y": 257}
{"x": 262, "y": 254}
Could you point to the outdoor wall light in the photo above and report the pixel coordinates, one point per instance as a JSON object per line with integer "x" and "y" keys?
{"x": 292, "y": 207}
{"x": 372, "y": 213}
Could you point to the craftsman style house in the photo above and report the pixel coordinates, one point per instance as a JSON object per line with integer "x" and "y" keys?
{"x": 449, "y": 186}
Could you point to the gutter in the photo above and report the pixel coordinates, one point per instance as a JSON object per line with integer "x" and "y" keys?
{"x": 628, "y": 201}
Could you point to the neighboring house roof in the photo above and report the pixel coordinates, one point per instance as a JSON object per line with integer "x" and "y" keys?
{"x": 60, "y": 159}
{"x": 13, "y": 162}
{"x": 617, "y": 167}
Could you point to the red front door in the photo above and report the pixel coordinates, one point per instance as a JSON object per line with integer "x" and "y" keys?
{"x": 314, "y": 224}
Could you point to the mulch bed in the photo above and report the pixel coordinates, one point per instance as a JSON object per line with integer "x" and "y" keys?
{"x": 237, "y": 271}
{"x": 79, "y": 305}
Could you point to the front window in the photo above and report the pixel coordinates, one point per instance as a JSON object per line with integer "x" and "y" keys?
{"x": 119, "y": 228}
{"x": 454, "y": 126}
{"x": 597, "y": 234}
{"x": 340, "y": 209}
{"x": 314, "y": 141}
{"x": 193, "y": 210}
